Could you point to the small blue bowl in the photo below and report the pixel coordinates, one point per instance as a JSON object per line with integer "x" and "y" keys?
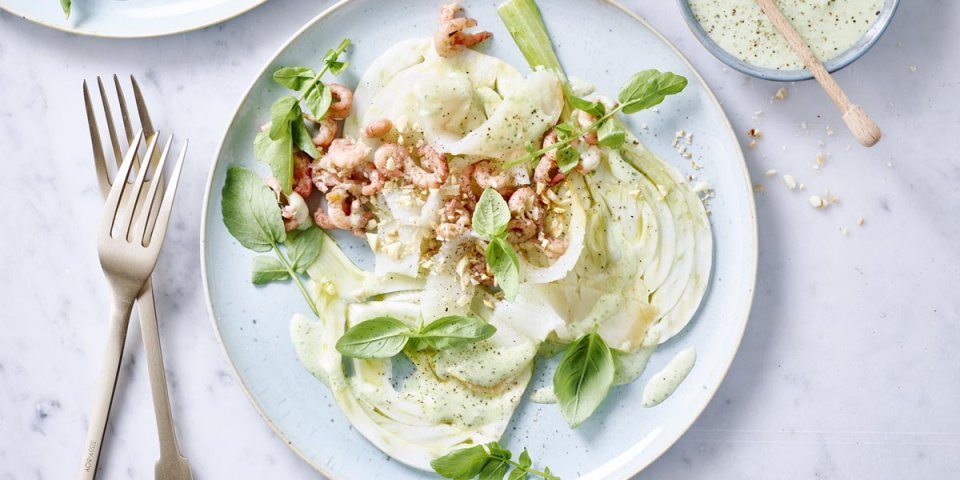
{"x": 832, "y": 65}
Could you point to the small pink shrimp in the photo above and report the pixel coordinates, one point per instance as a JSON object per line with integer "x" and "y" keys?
{"x": 302, "y": 175}
{"x": 342, "y": 101}
{"x": 432, "y": 171}
{"x": 390, "y": 159}
{"x": 478, "y": 176}
{"x": 344, "y": 156}
{"x": 342, "y": 213}
{"x": 547, "y": 171}
{"x": 555, "y": 247}
{"x": 452, "y": 37}
{"x": 527, "y": 215}
{"x": 326, "y": 132}
{"x": 374, "y": 180}
{"x": 378, "y": 128}
{"x": 584, "y": 120}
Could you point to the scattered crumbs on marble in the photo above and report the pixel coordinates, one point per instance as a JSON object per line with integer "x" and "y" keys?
{"x": 43, "y": 410}
{"x": 752, "y": 145}
{"x": 816, "y": 201}
{"x": 804, "y": 125}
{"x": 820, "y": 143}
{"x": 913, "y": 68}
{"x": 830, "y": 131}
{"x": 844, "y": 231}
{"x": 758, "y": 188}
{"x": 757, "y": 115}
{"x": 790, "y": 182}
{"x": 753, "y": 132}
{"x": 860, "y": 222}
{"x": 781, "y": 94}
{"x": 771, "y": 172}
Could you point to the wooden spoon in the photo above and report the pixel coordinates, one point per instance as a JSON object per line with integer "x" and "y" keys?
{"x": 860, "y": 124}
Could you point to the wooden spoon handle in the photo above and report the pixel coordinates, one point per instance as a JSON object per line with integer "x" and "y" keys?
{"x": 860, "y": 124}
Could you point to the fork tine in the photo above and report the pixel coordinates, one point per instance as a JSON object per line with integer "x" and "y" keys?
{"x": 124, "y": 115}
{"x": 145, "y": 122}
{"x": 99, "y": 161}
{"x": 117, "y": 156}
{"x": 144, "y": 225}
{"x": 127, "y": 216}
{"x": 166, "y": 205}
{"x": 112, "y": 205}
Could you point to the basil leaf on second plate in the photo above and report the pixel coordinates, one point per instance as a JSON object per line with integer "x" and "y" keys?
{"x": 278, "y": 154}
{"x": 283, "y": 111}
{"x": 268, "y": 269}
{"x": 465, "y": 463}
{"x": 455, "y": 331}
{"x": 491, "y": 215}
{"x": 610, "y": 135}
{"x": 250, "y": 210}
{"x": 505, "y": 266}
{"x": 293, "y": 78}
{"x": 303, "y": 247}
{"x": 381, "y": 337}
{"x": 318, "y": 100}
{"x": 583, "y": 378}
{"x": 648, "y": 88}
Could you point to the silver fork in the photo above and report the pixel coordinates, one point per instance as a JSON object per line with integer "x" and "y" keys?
{"x": 171, "y": 464}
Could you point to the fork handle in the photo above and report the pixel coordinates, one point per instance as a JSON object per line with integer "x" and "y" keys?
{"x": 158, "y": 377}
{"x": 119, "y": 321}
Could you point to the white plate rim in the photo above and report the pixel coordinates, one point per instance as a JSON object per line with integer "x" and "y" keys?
{"x": 751, "y": 271}
{"x": 5, "y": 6}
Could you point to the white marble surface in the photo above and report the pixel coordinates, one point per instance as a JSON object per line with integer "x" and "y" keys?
{"x": 848, "y": 369}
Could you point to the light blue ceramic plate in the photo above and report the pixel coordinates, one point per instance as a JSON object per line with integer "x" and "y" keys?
{"x": 837, "y": 63}
{"x": 129, "y": 18}
{"x": 623, "y": 438}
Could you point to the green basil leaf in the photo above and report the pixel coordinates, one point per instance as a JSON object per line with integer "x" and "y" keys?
{"x": 593, "y": 108}
{"x": 301, "y": 138}
{"x": 65, "y": 5}
{"x": 505, "y": 266}
{"x": 494, "y": 469}
{"x": 462, "y": 464}
{"x": 583, "y": 378}
{"x": 491, "y": 215}
{"x": 303, "y": 247}
{"x": 564, "y": 130}
{"x": 567, "y": 158}
{"x": 282, "y": 113}
{"x": 381, "y": 337}
{"x": 337, "y": 67}
{"x": 610, "y": 135}
{"x": 318, "y": 100}
{"x": 250, "y": 210}
{"x": 454, "y": 331}
{"x": 525, "y": 460}
{"x": 268, "y": 269}
{"x": 548, "y": 476}
{"x": 648, "y": 88}
{"x": 517, "y": 474}
{"x": 278, "y": 154}
{"x": 293, "y": 78}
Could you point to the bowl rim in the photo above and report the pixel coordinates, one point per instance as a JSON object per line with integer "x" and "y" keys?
{"x": 866, "y": 42}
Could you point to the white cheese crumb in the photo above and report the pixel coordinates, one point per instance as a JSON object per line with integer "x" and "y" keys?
{"x": 830, "y": 131}
{"x": 821, "y": 159}
{"x": 790, "y": 181}
{"x": 781, "y": 94}
{"x": 803, "y": 124}
{"x": 771, "y": 172}
{"x": 844, "y": 231}
{"x": 913, "y": 68}
{"x": 860, "y": 221}
{"x": 816, "y": 202}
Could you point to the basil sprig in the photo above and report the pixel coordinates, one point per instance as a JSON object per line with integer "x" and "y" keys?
{"x": 384, "y": 337}
{"x": 643, "y": 90}
{"x": 65, "y": 5}
{"x": 487, "y": 462}
{"x": 490, "y": 219}
{"x": 287, "y": 129}
{"x": 251, "y": 215}
{"x": 583, "y": 378}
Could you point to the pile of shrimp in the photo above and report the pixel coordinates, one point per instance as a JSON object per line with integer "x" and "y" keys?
{"x": 351, "y": 173}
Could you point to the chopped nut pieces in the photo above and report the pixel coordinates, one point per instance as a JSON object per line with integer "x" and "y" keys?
{"x": 790, "y": 182}
{"x": 781, "y": 94}
{"x": 771, "y": 172}
{"x": 753, "y": 132}
{"x": 860, "y": 221}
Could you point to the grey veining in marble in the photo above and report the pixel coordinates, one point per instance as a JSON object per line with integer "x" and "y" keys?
{"x": 848, "y": 369}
